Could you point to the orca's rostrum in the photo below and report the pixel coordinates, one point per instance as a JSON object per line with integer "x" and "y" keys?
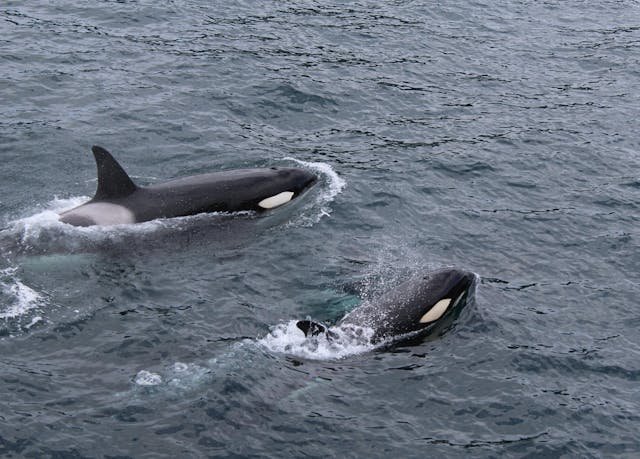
{"x": 120, "y": 201}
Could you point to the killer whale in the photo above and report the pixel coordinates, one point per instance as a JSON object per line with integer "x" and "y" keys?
{"x": 415, "y": 308}
{"x": 118, "y": 200}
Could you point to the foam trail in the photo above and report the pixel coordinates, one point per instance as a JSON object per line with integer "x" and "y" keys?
{"x": 181, "y": 377}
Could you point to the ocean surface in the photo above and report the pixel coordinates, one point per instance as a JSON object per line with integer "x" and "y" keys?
{"x": 498, "y": 137}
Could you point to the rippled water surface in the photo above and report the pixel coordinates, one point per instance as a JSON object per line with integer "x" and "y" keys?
{"x": 500, "y": 137}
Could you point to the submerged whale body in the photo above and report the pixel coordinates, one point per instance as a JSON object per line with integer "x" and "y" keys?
{"x": 119, "y": 201}
{"x": 415, "y": 308}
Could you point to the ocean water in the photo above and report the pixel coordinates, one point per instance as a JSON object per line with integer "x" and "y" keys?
{"x": 499, "y": 137}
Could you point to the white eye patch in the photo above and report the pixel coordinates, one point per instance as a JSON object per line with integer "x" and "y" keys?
{"x": 436, "y": 311}
{"x": 277, "y": 200}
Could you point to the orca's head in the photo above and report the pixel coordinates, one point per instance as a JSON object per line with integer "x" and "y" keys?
{"x": 295, "y": 179}
{"x": 441, "y": 293}
{"x": 288, "y": 183}
{"x": 424, "y": 304}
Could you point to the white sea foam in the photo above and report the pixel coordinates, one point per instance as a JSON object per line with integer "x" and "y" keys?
{"x": 30, "y": 227}
{"x": 186, "y": 375}
{"x": 179, "y": 376}
{"x": 19, "y": 298}
{"x": 147, "y": 378}
{"x": 288, "y": 339}
{"x": 334, "y": 186}
{"x": 35, "y": 320}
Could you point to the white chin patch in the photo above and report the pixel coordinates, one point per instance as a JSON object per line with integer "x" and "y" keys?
{"x": 103, "y": 213}
{"x": 277, "y": 200}
{"x": 436, "y": 311}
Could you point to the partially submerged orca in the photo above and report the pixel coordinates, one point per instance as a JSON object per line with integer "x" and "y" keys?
{"x": 415, "y": 308}
{"x": 118, "y": 200}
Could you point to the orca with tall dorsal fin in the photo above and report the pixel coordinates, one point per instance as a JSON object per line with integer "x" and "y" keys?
{"x": 416, "y": 307}
{"x": 118, "y": 200}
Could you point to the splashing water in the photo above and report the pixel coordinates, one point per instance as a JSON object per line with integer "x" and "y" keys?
{"x": 19, "y": 299}
{"x": 288, "y": 339}
{"x": 334, "y": 186}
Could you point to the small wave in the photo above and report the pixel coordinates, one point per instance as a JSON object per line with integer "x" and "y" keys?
{"x": 288, "y": 339}
{"x": 18, "y": 298}
{"x": 335, "y": 185}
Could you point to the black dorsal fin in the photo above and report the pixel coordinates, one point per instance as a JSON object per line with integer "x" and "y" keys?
{"x": 113, "y": 181}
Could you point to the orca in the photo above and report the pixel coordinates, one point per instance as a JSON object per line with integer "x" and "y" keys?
{"x": 415, "y": 308}
{"x": 120, "y": 201}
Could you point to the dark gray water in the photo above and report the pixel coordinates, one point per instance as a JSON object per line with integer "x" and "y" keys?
{"x": 501, "y": 137}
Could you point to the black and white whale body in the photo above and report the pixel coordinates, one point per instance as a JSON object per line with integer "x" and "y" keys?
{"x": 414, "y": 308}
{"x": 118, "y": 200}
